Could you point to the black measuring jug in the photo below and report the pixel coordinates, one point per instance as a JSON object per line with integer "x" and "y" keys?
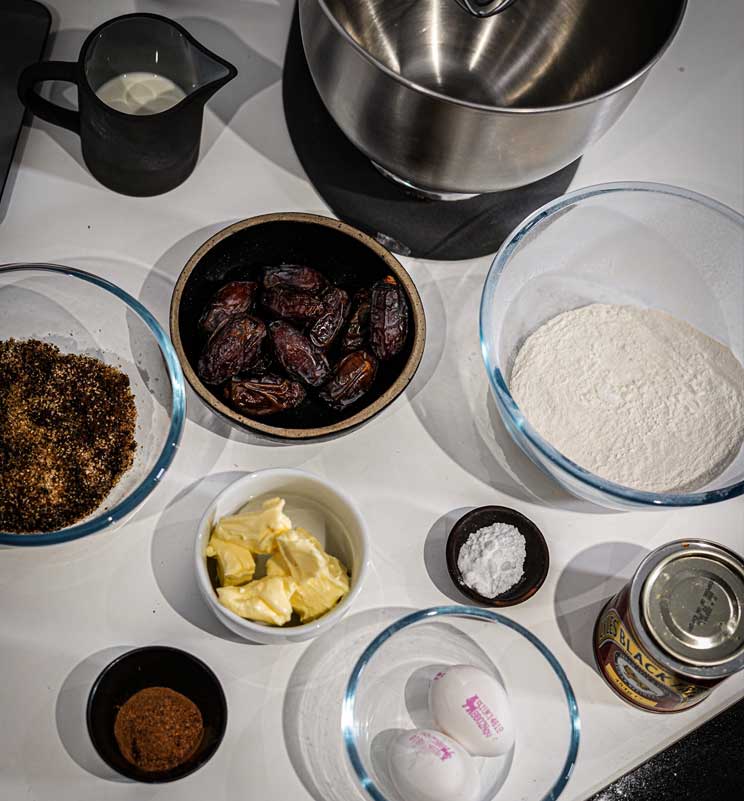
{"x": 142, "y": 84}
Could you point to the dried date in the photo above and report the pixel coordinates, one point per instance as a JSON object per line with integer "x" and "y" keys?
{"x": 232, "y": 348}
{"x": 358, "y": 326}
{"x": 297, "y": 355}
{"x": 292, "y": 304}
{"x": 291, "y": 276}
{"x": 264, "y": 395}
{"x": 335, "y": 310}
{"x": 352, "y": 378}
{"x": 232, "y": 299}
{"x": 264, "y": 361}
{"x": 388, "y": 318}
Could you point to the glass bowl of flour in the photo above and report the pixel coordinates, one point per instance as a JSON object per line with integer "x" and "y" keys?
{"x": 612, "y": 329}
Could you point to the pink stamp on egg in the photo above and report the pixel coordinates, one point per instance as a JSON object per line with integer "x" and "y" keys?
{"x": 429, "y": 742}
{"x": 480, "y": 713}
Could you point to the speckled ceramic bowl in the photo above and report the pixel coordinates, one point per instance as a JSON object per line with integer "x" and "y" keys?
{"x": 345, "y": 256}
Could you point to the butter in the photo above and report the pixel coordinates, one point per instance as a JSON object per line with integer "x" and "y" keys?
{"x": 276, "y": 566}
{"x": 301, "y": 554}
{"x": 266, "y": 600}
{"x": 300, "y": 575}
{"x": 235, "y": 562}
{"x": 256, "y": 530}
{"x": 321, "y": 579}
{"x": 337, "y": 570}
{"x": 317, "y": 595}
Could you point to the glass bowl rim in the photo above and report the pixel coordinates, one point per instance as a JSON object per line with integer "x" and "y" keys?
{"x": 349, "y": 701}
{"x": 505, "y": 401}
{"x": 177, "y": 418}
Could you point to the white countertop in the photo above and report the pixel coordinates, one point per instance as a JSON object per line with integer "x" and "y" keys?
{"x": 434, "y": 452}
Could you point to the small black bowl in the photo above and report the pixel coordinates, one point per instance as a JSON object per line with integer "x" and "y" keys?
{"x": 536, "y": 563}
{"x": 155, "y": 666}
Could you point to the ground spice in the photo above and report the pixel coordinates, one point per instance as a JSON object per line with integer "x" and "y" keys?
{"x": 67, "y": 427}
{"x": 158, "y": 729}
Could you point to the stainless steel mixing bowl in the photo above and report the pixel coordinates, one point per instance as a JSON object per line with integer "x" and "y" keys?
{"x": 450, "y": 102}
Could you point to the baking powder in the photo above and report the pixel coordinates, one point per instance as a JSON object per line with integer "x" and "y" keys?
{"x": 492, "y": 559}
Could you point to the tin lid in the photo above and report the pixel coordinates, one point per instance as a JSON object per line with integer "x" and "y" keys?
{"x": 693, "y": 605}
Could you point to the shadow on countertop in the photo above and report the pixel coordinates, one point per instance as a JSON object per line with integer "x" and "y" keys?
{"x": 311, "y": 715}
{"x": 589, "y": 580}
{"x": 455, "y": 404}
{"x": 172, "y": 553}
{"x": 70, "y": 713}
{"x": 435, "y": 556}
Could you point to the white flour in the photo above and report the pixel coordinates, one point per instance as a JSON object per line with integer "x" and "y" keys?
{"x": 491, "y": 561}
{"x": 635, "y": 395}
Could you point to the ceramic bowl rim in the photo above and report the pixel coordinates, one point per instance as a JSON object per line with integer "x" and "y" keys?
{"x": 418, "y": 323}
{"x": 258, "y": 631}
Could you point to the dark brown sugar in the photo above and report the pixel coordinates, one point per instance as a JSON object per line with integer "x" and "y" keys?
{"x": 158, "y": 729}
{"x": 67, "y": 427}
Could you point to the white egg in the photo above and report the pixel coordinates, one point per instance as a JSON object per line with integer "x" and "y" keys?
{"x": 427, "y": 765}
{"x": 472, "y": 707}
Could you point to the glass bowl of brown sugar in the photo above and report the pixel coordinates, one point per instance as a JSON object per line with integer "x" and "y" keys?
{"x": 92, "y": 404}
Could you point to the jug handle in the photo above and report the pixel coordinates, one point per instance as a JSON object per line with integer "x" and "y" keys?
{"x": 485, "y": 8}
{"x": 51, "y": 112}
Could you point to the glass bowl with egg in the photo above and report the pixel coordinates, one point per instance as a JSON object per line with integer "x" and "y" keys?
{"x": 459, "y": 702}
{"x": 80, "y": 356}
{"x": 612, "y": 331}
{"x": 280, "y": 555}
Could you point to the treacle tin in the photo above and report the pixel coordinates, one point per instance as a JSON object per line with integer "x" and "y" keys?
{"x": 676, "y": 630}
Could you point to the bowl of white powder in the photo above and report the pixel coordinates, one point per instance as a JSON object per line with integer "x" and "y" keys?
{"x": 496, "y": 556}
{"x": 612, "y": 329}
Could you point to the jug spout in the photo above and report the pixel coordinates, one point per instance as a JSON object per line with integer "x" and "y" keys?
{"x": 485, "y": 8}
{"x": 214, "y": 71}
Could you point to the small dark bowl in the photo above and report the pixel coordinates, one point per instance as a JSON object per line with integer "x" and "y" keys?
{"x": 536, "y": 563}
{"x": 155, "y": 666}
{"x": 346, "y": 257}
